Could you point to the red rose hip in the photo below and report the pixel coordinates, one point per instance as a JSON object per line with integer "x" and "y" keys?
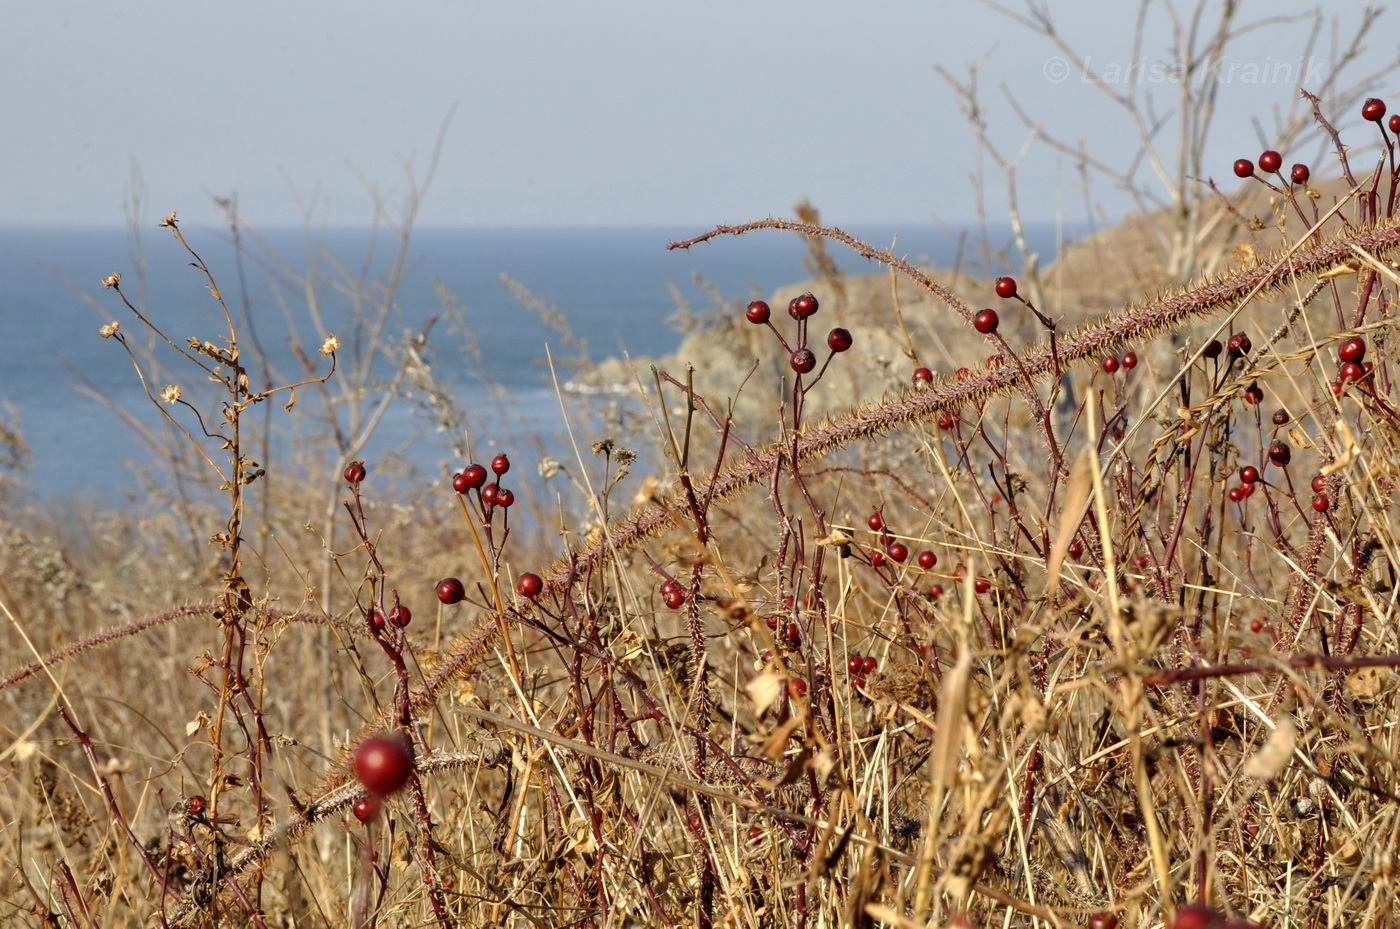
{"x": 757, "y": 312}
{"x": 366, "y": 808}
{"x": 803, "y": 306}
{"x": 473, "y": 477}
{"x": 450, "y": 590}
{"x": 383, "y": 763}
{"x": 530, "y": 585}
{"x": 986, "y": 322}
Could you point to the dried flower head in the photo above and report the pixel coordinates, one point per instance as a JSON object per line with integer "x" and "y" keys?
{"x": 168, "y": 221}
{"x": 170, "y": 394}
{"x": 112, "y": 280}
{"x": 624, "y": 456}
{"x": 329, "y": 346}
{"x": 549, "y": 467}
{"x": 603, "y": 447}
{"x": 109, "y": 330}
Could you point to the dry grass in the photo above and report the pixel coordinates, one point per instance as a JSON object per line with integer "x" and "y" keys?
{"x": 1158, "y": 695}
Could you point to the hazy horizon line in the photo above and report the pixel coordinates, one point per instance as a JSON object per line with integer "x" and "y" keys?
{"x": 506, "y": 226}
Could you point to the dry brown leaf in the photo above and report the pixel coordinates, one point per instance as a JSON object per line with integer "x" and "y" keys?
{"x": 1071, "y": 515}
{"x": 775, "y": 746}
{"x": 1273, "y": 756}
{"x": 764, "y": 689}
{"x": 795, "y": 770}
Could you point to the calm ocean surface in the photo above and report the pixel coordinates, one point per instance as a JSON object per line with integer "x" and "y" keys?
{"x": 613, "y": 285}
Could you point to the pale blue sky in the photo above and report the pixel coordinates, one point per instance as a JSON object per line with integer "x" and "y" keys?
{"x": 570, "y": 113}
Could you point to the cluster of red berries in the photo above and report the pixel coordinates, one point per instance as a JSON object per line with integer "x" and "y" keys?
{"x": 801, "y": 308}
{"x": 1240, "y": 493}
{"x": 1320, "y": 502}
{"x": 474, "y": 477}
{"x": 1248, "y": 479}
{"x": 1238, "y": 346}
{"x": 1279, "y": 453}
{"x": 1270, "y": 162}
{"x": 1111, "y": 363}
{"x": 399, "y": 616}
{"x": 1352, "y": 364}
{"x": 987, "y": 322}
{"x": 673, "y": 593}
{"x": 876, "y": 522}
{"x": 860, "y": 667}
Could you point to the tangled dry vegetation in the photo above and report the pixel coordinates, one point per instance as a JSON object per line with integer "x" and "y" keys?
{"x": 1042, "y": 640}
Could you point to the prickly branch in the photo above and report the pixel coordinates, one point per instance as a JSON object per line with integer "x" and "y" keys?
{"x": 1132, "y": 325}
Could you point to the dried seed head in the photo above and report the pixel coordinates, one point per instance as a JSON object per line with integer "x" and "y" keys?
{"x": 329, "y": 346}
{"x": 109, "y": 330}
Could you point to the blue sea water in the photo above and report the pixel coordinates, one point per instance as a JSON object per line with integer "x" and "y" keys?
{"x": 616, "y": 287}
